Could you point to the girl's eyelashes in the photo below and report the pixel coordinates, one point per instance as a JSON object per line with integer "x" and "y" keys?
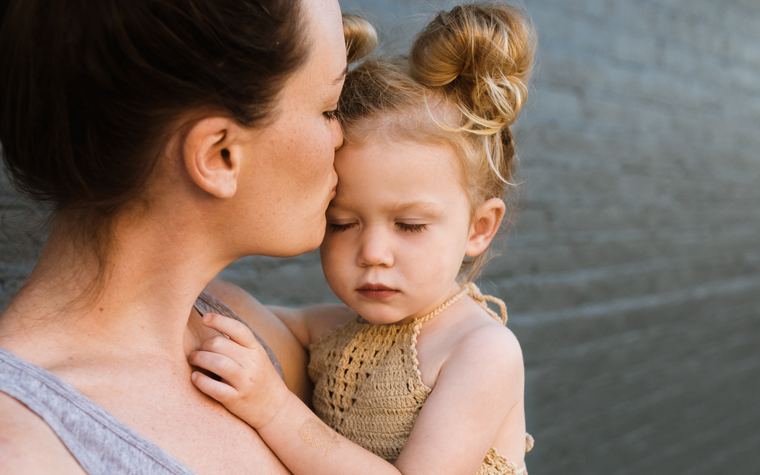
{"x": 412, "y": 228}
{"x": 331, "y": 115}
{"x": 406, "y": 227}
{"x": 336, "y": 228}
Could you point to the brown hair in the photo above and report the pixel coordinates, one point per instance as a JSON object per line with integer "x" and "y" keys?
{"x": 90, "y": 88}
{"x": 463, "y": 86}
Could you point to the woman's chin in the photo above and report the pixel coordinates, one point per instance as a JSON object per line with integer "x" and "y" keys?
{"x": 307, "y": 243}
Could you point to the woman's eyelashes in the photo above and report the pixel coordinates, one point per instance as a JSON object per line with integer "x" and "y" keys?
{"x": 331, "y": 115}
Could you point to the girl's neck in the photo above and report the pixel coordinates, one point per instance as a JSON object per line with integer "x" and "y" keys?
{"x": 153, "y": 275}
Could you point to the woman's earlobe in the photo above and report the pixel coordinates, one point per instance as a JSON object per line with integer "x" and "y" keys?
{"x": 210, "y": 156}
{"x": 488, "y": 217}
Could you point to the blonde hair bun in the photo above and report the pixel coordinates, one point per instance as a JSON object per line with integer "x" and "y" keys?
{"x": 361, "y": 37}
{"x": 483, "y": 55}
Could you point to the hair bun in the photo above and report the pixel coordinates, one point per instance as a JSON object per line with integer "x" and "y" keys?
{"x": 361, "y": 37}
{"x": 483, "y": 55}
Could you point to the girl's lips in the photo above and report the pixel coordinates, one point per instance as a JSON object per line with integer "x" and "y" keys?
{"x": 376, "y": 292}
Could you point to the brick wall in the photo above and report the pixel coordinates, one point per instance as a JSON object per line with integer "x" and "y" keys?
{"x": 633, "y": 271}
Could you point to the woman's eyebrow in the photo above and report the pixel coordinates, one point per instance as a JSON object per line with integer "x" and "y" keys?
{"x": 341, "y": 77}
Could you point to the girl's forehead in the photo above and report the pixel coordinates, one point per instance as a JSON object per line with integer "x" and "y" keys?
{"x": 388, "y": 173}
{"x": 393, "y": 154}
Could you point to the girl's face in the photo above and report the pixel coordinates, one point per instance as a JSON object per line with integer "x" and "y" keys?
{"x": 397, "y": 230}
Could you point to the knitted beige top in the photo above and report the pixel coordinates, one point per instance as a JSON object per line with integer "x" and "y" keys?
{"x": 368, "y": 387}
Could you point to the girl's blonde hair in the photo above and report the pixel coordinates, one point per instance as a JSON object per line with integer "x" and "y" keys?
{"x": 462, "y": 86}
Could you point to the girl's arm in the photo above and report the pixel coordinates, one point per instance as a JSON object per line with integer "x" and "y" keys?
{"x": 310, "y": 323}
{"x": 478, "y": 386}
{"x": 252, "y": 390}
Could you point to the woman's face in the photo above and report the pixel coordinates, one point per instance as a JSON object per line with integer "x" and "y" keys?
{"x": 287, "y": 184}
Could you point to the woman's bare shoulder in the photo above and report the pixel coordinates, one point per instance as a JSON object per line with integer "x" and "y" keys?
{"x": 29, "y": 445}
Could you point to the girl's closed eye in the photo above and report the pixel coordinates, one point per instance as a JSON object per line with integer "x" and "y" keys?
{"x": 336, "y": 227}
{"x": 331, "y": 115}
{"x": 412, "y": 228}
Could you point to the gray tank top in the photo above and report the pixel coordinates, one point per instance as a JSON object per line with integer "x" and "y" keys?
{"x": 102, "y": 444}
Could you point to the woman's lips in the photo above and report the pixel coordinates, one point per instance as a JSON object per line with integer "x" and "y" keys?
{"x": 376, "y": 291}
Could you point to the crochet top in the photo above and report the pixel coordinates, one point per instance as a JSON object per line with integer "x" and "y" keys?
{"x": 368, "y": 386}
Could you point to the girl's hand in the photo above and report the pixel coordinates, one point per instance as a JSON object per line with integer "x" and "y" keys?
{"x": 250, "y": 387}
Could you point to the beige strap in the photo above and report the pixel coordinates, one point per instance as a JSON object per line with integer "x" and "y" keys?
{"x": 474, "y": 292}
{"x": 443, "y": 306}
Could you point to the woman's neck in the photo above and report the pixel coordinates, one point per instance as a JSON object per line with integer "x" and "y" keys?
{"x": 141, "y": 304}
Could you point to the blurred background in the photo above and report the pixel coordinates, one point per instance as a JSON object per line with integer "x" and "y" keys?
{"x": 632, "y": 273}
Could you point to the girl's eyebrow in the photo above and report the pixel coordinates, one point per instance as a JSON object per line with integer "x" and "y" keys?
{"x": 398, "y": 207}
{"x": 419, "y": 206}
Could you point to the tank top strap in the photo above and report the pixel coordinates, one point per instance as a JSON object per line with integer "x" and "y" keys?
{"x": 474, "y": 292}
{"x": 102, "y": 444}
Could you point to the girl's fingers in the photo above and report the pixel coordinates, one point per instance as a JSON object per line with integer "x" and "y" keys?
{"x": 221, "y": 365}
{"x": 237, "y": 331}
{"x": 225, "y": 346}
{"x": 216, "y": 389}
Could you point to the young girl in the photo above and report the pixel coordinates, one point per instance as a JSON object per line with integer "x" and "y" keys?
{"x": 419, "y": 372}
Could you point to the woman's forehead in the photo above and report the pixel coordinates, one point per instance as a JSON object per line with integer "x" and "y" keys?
{"x": 325, "y": 33}
{"x": 322, "y": 75}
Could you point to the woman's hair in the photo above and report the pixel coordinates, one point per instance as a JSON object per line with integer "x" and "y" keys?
{"x": 462, "y": 86}
{"x": 91, "y": 89}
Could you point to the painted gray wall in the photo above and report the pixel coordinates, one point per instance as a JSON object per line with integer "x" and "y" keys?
{"x": 633, "y": 271}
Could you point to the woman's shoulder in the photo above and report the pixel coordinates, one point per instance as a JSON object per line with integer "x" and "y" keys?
{"x": 28, "y": 444}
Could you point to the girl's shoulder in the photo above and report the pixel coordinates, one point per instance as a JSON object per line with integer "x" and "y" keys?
{"x": 475, "y": 343}
{"x": 491, "y": 346}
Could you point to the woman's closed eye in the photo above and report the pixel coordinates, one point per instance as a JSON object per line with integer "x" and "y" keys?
{"x": 331, "y": 115}
{"x": 412, "y": 228}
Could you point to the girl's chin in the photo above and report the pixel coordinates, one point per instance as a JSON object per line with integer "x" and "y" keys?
{"x": 384, "y": 318}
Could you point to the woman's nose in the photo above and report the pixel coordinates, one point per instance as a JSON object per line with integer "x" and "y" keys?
{"x": 375, "y": 249}
{"x": 337, "y": 133}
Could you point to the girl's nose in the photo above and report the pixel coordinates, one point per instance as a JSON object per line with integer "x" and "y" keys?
{"x": 375, "y": 249}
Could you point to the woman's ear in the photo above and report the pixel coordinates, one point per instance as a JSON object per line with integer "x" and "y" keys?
{"x": 488, "y": 218}
{"x": 208, "y": 156}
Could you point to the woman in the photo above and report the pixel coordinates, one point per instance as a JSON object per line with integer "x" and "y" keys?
{"x": 172, "y": 137}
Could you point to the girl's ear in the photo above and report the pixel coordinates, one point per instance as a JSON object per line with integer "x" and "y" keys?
{"x": 488, "y": 218}
{"x": 210, "y": 156}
